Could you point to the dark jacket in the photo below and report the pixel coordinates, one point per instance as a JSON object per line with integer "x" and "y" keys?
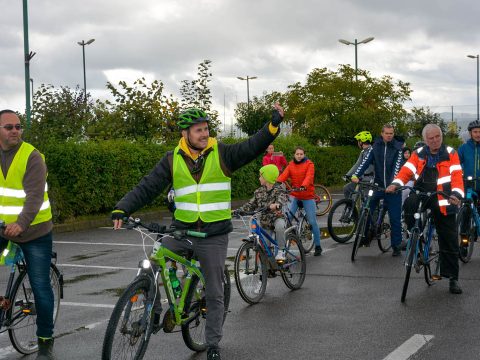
{"x": 469, "y": 154}
{"x": 232, "y": 157}
{"x": 386, "y": 159}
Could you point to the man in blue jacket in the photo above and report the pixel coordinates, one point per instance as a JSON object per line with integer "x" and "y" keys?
{"x": 386, "y": 157}
{"x": 469, "y": 153}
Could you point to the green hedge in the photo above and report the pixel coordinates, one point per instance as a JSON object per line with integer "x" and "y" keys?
{"x": 89, "y": 178}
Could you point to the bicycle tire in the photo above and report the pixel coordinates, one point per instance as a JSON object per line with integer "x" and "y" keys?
{"x": 347, "y": 214}
{"x": 22, "y": 315}
{"x": 251, "y": 272}
{"x": 384, "y": 233}
{"x": 193, "y": 331}
{"x": 411, "y": 249}
{"x": 360, "y": 233}
{"x": 294, "y": 268}
{"x": 306, "y": 235}
{"x": 433, "y": 257}
{"x": 131, "y": 331}
{"x": 323, "y": 199}
{"x": 466, "y": 250}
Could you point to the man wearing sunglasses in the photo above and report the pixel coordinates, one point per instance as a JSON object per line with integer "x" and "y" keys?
{"x": 27, "y": 214}
{"x": 200, "y": 169}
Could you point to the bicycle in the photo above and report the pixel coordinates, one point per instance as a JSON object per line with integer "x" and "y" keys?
{"x": 303, "y": 229}
{"x": 255, "y": 261}
{"x": 422, "y": 245}
{"x": 468, "y": 221}
{"x": 18, "y": 314}
{"x": 380, "y": 229}
{"x": 322, "y": 197}
{"x": 342, "y": 219}
{"x": 132, "y": 321}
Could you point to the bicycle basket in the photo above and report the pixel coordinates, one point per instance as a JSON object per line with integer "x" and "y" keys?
{"x": 10, "y": 254}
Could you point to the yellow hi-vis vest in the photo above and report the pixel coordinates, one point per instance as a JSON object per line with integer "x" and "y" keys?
{"x": 210, "y": 199}
{"x": 12, "y": 194}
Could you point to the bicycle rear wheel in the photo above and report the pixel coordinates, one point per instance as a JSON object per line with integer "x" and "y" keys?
{"x": 342, "y": 220}
{"x": 22, "y": 316}
{"x": 410, "y": 256}
{"x": 306, "y": 235}
{"x": 193, "y": 330}
{"x": 131, "y": 322}
{"x": 360, "y": 234}
{"x": 467, "y": 233}
{"x": 250, "y": 270}
{"x": 431, "y": 256}
{"x": 323, "y": 199}
{"x": 295, "y": 267}
{"x": 383, "y": 233}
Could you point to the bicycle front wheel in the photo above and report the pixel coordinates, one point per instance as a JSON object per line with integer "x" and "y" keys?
{"x": 410, "y": 256}
{"x": 295, "y": 267}
{"x": 306, "y": 235}
{"x": 250, "y": 270}
{"x": 467, "y": 233}
{"x": 130, "y": 325}
{"x": 323, "y": 199}
{"x": 360, "y": 234}
{"x": 383, "y": 232}
{"x": 342, "y": 220}
{"x": 22, "y": 315}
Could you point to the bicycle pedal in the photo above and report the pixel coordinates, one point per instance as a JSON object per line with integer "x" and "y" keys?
{"x": 168, "y": 323}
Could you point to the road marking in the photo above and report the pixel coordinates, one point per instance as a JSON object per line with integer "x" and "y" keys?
{"x": 97, "y": 267}
{"x": 409, "y": 347}
{"x": 68, "y": 303}
{"x": 100, "y": 243}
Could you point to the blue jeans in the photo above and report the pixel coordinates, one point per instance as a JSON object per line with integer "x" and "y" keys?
{"x": 311, "y": 213}
{"x": 393, "y": 203}
{"x": 38, "y": 256}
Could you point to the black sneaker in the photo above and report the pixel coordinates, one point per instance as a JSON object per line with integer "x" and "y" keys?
{"x": 396, "y": 251}
{"x": 318, "y": 251}
{"x": 213, "y": 354}
{"x": 454, "y": 288}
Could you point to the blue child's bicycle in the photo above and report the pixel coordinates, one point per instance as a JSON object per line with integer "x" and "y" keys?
{"x": 255, "y": 260}
{"x": 468, "y": 221}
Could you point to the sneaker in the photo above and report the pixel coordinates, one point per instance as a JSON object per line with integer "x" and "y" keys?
{"x": 213, "y": 354}
{"x": 396, "y": 251}
{"x": 454, "y": 288}
{"x": 280, "y": 258}
{"x": 318, "y": 251}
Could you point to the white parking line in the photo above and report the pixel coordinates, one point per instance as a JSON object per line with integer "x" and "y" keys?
{"x": 100, "y": 243}
{"x": 97, "y": 267}
{"x": 68, "y": 303}
{"x": 409, "y": 347}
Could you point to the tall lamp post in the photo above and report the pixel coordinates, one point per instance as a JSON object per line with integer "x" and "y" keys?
{"x": 31, "y": 88}
{"x": 476, "y": 57}
{"x": 248, "y": 89}
{"x": 364, "y": 41}
{"x": 82, "y": 44}
{"x": 28, "y": 55}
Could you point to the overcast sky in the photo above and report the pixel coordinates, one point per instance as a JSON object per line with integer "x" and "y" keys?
{"x": 425, "y": 43}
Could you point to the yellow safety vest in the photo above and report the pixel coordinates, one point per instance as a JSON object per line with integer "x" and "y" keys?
{"x": 209, "y": 199}
{"x": 12, "y": 193}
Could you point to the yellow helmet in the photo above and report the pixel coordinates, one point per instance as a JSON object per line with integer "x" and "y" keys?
{"x": 364, "y": 136}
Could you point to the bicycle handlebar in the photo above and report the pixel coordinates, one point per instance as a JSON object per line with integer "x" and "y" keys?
{"x": 131, "y": 223}
{"x": 424, "y": 194}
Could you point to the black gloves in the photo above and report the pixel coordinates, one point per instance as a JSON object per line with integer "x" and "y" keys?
{"x": 276, "y": 118}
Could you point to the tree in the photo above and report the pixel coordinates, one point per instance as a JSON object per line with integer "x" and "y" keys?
{"x": 260, "y": 112}
{"x": 196, "y": 93}
{"x": 331, "y": 107}
{"x": 421, "y": 116}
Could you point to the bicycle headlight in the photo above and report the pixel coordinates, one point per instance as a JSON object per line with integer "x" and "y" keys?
{"x": 416, "y": 216}
{"x": 144, "y": 264}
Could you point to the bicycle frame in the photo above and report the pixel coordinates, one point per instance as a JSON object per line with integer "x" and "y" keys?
{"x": 6, "y": 301}
{"x": 470, "y": 199}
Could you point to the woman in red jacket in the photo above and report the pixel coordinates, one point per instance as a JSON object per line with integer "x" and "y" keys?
{"x": 301, "y": 172}
{"x": 275, "y": 158}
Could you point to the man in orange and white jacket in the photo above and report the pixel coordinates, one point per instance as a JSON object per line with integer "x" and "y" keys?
{"x": 436, "y": 167}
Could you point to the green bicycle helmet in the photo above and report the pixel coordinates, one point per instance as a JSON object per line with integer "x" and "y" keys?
{"x": 192, "y": 116}
{"x": 364, "y": 136}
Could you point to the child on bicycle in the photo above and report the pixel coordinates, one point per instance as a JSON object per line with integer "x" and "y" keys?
{"x": 273, "y": 196}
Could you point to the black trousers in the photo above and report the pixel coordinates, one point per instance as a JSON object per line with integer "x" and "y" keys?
{"x": 447, "y": 233}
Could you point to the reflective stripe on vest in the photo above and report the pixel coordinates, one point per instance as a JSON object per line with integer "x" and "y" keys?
{"x": 12, "y": 193}
{"x": 209, "y": 199}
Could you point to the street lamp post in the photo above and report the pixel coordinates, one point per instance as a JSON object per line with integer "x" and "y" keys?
{"x": 364, "y": 41}
{"x": 28, "y": 55}
{"x": 476, "y": 57}
{"x": 82, "y": 44}
{"x": 248, "y": 89}
{"x": 31, "y": 88}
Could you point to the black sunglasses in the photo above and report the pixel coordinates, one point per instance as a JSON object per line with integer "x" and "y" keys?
{"x": 10, "y": 127}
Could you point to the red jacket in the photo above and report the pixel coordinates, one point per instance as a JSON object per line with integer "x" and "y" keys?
{"x": 301, "y": 174}
{"x": 278, "y": 160}
{"x": 450, "y": 179}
